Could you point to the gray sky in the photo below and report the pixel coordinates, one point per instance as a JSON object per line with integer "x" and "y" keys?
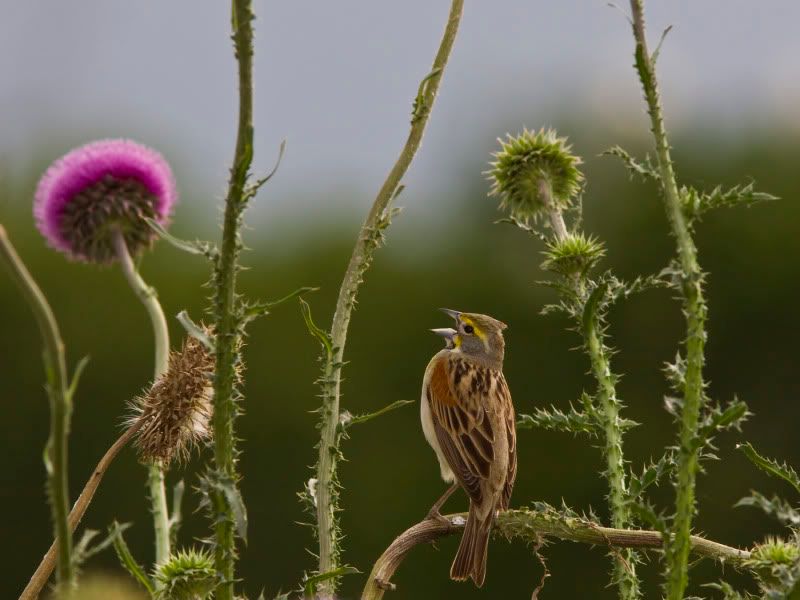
{"x": 336, "y": 80}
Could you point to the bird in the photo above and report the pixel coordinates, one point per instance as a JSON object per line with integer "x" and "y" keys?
{"x": 468, "y": 419}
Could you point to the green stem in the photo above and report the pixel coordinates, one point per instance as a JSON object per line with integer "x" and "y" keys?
{"x": 226, "y": 325}
{"x": 530, "y": 526}
{"x": 694, "y": 307}
{"x": 360, "y": 259}
{"x": 45, "y": 569}
{"x": 625, "y": 563}
{"x": 60, "y": 396}
{"x": 155, "y": 473}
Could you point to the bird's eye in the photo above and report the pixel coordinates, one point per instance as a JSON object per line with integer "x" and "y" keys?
{"x": 468, "y": 329}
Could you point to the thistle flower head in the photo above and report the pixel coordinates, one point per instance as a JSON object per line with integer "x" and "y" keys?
{"x": 177, "y": 408}
{"x": 187, "y": 575}
{"x": 575, "y": 254}
{"x": 97, "y": 189}
{"x": 530, "y": 166}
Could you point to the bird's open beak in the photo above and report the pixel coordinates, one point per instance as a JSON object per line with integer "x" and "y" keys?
{"x": 451, "y": 313}
{"x": 445, "y": 332}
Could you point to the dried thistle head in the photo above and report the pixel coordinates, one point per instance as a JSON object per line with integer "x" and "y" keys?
{"x": 177, "y": 408}
{"x": 527, "y": 164}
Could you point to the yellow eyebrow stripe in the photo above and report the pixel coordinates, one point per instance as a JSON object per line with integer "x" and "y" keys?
{"x": 478, "y": 331}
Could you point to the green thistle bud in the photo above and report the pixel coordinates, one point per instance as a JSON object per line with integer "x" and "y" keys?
{"x": 187, "y": 575}
{"x": 533, "y": 169}
{"x": 574, "y": 254}
{"x": 772, "y": 558}
{"x": 774, "y": 551}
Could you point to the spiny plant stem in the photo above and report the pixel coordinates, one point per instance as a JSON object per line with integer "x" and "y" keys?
{"x": 609, "y": 404}
{"x": 155, "y": 473}
{"x": 694, "y": 307}
{"x": 368, "y": 240}
{"x": 530, "y": 526}
{"x": 60, "y": 395}
{"x": 227, "y": 331}
{"x": 45, "y": 568}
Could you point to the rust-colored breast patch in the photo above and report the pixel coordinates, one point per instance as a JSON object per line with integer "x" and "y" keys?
{"x": 440, "y": 385}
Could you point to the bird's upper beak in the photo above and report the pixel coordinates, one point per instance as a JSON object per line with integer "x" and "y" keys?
{"x": 452, "y": 313}
{"x": 445, "y": 332}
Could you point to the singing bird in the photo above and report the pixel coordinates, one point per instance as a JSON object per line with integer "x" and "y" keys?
{"x": 469, "y": 421}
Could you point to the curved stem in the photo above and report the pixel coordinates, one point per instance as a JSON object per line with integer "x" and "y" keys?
{"x": 530, "y": 526}
{"x": 694, "y": 307}
{"x": 225, "y": 310}
{"x": 45, "y": 568}
{"x": 369, "y": 238}
{"x": 609, "y": 405}
{"x": 60, "y": 395}
{"x": 155, "y": 473}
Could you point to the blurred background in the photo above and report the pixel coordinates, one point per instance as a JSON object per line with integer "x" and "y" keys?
{"x": 336, "y": 80}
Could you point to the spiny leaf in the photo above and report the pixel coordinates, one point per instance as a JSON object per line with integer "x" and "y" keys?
{"x": 573, "y": 421}
{"x": 76, "y": 376}
{"x": 346, "y": 419}
{"x": 651, "y": 474}
{"x": 194, "y": 330}
{"x": 775, "y": 507}
{"x": 645, "y": 169}
{"x": 253, "y": 310}
{"x": 657, "y": 51}
{"x": 321, "y": 335}
{"x": 719, "y": 419}
{"x": 233, "y": 497}
{"x": 524, "y": 227}
{"x": 252, "y": 189}
{"x": 176, "y": 515}
{"x": 199, "y": 247}
{"x": 126, "y": 558}
{"x": 419, "y": 108}
{"x": 695, "y": 202}
{"x": 770, "y": 466}
{"x": 310, "y": 584}
{"x": 646, "y": 513}
{"x": 728, "y": 593}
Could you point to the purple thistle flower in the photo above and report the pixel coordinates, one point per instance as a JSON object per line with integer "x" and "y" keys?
{"x": 97, "y": 189}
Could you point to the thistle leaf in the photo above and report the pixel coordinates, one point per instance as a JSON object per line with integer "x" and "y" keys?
{"x": 321, "y": 335}
{"x": 199, "y": 247}
{"x": 573, "y": 421}
{"x": 126, "y": 558}
{"x": 645, "y": 170}
{"x": 347, "y": 420}
{"x": 775, "y": 507}
{"x": 770, "y": 466}
{"x": 310, "y": 584}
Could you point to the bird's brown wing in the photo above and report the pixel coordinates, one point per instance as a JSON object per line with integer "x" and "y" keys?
{"x": 462, "y": 427}
{"x": 510, "y": 419}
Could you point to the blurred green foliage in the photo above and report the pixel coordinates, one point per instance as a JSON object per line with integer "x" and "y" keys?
{"x": 460, "y": 259}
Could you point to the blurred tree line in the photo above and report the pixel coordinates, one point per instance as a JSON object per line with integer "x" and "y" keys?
{"x": 454, "y": 256}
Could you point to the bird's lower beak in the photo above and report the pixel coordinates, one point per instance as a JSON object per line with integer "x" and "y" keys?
{"x": 451, "y": 313}
{"x": 445, "y": 332}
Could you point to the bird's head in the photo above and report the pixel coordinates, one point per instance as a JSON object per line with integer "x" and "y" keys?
{"x": 478, "y": 336}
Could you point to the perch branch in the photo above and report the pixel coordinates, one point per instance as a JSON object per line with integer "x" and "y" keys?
{"x": 530, "y": 525}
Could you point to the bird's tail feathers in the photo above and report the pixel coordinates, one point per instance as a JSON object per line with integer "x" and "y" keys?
{"x": 470, "y": 560}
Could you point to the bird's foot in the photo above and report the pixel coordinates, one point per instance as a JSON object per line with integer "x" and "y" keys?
{"x": 435, "y": 515}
